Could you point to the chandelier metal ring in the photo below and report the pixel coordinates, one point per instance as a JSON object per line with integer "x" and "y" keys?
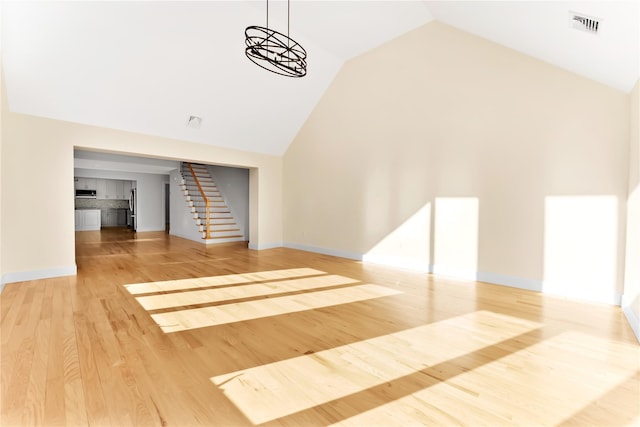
{"x": 275, "y": 52}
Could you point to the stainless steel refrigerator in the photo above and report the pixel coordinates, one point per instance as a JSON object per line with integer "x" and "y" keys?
{"x": 133, "y": 210}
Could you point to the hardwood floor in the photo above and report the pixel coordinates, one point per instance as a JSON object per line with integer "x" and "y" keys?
{"x": 157, "y": 330}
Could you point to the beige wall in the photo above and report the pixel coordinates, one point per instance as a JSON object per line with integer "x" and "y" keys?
{"x": 2, "y": 109}
{"x": 631, "y": 301}
{"x": 442, "y": 132}
{"x": 38, "y": 197}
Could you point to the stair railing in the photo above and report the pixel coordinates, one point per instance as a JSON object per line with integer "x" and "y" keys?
{"x": 204, "y": 196}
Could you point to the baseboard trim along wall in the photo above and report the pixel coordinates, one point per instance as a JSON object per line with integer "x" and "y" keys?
{"x": 535, "y": 285}
{"x": 23, "y": 276}
{"x": 183, "y": 236}
{"x": 632, "y": 317}
{"x": 512, "y": 281}
{"x": 148, "y": 229}
{"x": 259, "y": 247}
{"x": 457, "y": 273}
{"x": 325, "y": 251}
{"x": 397, "y": 262}
{"x": 524, "y": 283}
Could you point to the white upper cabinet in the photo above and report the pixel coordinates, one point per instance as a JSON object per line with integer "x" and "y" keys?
{"x": 86, "y": 183}
{"x": 113, "y": 189}
{"x": 126, "y": 189}
{"x": 119, "y": 193}
{"x": 101, "y": 190}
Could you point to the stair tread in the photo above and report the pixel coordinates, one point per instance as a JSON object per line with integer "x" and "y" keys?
{"x": 223, "y": 230}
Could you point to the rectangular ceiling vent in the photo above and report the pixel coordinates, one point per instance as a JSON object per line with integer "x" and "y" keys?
{"x": 583, "y": 22}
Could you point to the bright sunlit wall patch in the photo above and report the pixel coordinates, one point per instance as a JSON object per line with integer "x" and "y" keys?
{"x": 456, "y": 237}
{"x": 408, "y": 245}
{"x": 581, "y": 247}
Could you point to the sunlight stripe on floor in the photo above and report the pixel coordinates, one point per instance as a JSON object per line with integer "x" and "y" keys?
{"x": 229, "y": 279}
{"x": 269, "y": 392}
{"x": 496, "y": 402}
{"x": 207, "y": 296}
{"x": 210, "y": 316}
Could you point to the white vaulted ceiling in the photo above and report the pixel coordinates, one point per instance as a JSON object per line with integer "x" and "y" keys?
{"x": 147, "y": 66}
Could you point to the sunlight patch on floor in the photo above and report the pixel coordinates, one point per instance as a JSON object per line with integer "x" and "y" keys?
{"x": 287, "y": 387}
{"x": 209, "y": 296}
{"x": 486, "y": 396}
{"x": 230, "y": 279}
{"x": 237, "y": 312}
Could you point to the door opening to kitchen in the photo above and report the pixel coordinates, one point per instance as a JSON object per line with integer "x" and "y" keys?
{"x": 102, "y": 202}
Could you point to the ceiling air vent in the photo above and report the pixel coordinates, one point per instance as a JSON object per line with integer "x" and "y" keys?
{"x": 583, "y": 22}
{"x": 194, "y": 122}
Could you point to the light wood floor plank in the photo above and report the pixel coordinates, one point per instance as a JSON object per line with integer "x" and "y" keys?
{"x": 420, "y": 350}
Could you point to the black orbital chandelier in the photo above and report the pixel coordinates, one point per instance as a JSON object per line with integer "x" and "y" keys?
{"x": 275, "y": 51}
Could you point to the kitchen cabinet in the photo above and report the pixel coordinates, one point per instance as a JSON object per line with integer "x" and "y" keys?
{"x": 126, "y": 189}
{"x": 114, "y": 217}
{"x": 113, "y": 189}
{"x": 87, "y": 219}
{"x": 119, "y": 193}
{"x": 101, "y": 189}
{"x": 109, "y": 218}
{"x": 122, "y": 217}
{"x": 85, "y": 183}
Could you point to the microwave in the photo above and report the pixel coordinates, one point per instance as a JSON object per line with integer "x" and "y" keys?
{"x": 85, "y": 194}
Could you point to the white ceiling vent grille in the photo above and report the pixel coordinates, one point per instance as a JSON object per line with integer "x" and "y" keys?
{"x": 584, "y": 22}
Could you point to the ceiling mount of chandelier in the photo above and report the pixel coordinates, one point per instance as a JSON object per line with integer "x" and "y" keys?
{"x": 275, "y": 51}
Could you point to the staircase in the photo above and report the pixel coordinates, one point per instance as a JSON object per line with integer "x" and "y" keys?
{"x": 208, "y": 205}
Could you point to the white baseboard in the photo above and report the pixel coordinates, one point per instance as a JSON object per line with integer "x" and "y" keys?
{"x": 197, "y": 239}
{"x": 512, "y": 281}
{"x": 397, "y": 262}
{"x": 528, "y": 284}
{"x": 223, "y": 240}
{"x": 259, "y": 247}
{"x": 148, "y": 229}
{"x": 23, "y": 276}
{"x": 324, "y": 251}
{"x": 598, "y": 296}
{"x": 457, "y": 273}
{"x": 632, "y": 317}
{"x": 535, "y": 285}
